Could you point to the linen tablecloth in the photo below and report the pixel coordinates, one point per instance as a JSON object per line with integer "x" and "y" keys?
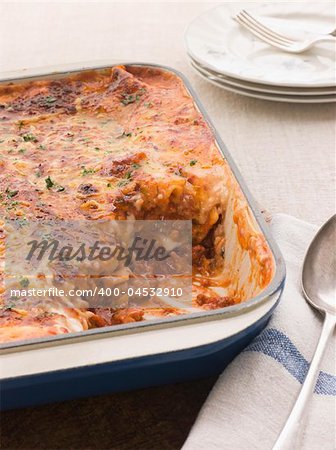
{"x": 253, "y": 397}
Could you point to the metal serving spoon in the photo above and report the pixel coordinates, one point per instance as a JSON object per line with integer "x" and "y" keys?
{"x": 319, "y": 288}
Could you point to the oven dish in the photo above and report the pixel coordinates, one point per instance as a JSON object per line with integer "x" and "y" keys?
{"x": 118, "y": 143}
{"x": 121, "y": 143}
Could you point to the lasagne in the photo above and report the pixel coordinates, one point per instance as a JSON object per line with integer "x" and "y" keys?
{"x": 127, "y": 142}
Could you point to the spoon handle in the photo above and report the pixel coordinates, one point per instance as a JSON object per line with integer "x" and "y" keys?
{"x": 288, "y": 438}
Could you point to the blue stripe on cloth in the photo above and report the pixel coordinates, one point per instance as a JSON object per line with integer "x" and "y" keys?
{"x": 277, "y": 345}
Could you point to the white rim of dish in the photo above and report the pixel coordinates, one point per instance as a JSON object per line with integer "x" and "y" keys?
{"x": 233, "y": 74}
{"x": 113, "y": 348}
{"x": 264, "y": 96}
{"x": 259, "y": 87}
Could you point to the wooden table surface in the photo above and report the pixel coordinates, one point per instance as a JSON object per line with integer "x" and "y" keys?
{"x": 147, "y": 419}
{"x": 284, "y": 151}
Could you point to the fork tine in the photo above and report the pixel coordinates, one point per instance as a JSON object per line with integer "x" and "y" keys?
{"x": 260, "y": 35}
{"x": 266, "y": 29}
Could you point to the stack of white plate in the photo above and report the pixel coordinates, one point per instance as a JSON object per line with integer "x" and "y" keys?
{"x": 230, "y": 57}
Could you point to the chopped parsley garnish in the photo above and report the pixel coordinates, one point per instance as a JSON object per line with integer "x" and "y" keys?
{"x": 97, "y": 149}
{"x": 29, "y": 138}
{"x": 126, "y": 134}
{"x": 24, "y": 282}
{"x": 136, "y": 166}
{"x": 109, "y": 185}
{"x": 22, "y": 150}
{"x": 50, "y": 99}
{"x": 42, "y": 147}
{"x": 86, "y": 171}
{"x": 11, "y": 194}
{"x": 126, "y": 180}
{"x": 38, "y": 174}
{"x": 193, "y": 162}
{"x": 122, "y": 183}
{"x": 11, "y": 305}
{"x": 49, "y": 183}
{"x": 12, "y": 205}
{"x": 131, "y": 98}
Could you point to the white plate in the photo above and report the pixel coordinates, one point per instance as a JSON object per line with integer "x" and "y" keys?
{"x": 262, "y": 95}
{"x": 215, "y": 40}
{"x": 268, "y": 89}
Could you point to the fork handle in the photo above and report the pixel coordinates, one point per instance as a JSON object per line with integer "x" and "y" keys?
{"x": 329, "y": 37}
{"x": 289, "y": 436}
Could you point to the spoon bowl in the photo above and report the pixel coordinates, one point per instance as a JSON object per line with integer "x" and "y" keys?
{"x": 319, "y": 269}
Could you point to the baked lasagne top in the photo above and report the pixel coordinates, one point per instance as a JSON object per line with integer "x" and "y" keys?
{"x": 118, "y": 143}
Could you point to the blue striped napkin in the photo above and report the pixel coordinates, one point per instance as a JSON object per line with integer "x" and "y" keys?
{"x": 252, "y": 398}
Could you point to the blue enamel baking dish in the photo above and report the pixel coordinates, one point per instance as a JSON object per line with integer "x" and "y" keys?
{"x": 139, "y": 355}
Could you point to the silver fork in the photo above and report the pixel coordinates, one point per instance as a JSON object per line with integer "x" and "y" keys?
{"x": 276, "y": 39}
